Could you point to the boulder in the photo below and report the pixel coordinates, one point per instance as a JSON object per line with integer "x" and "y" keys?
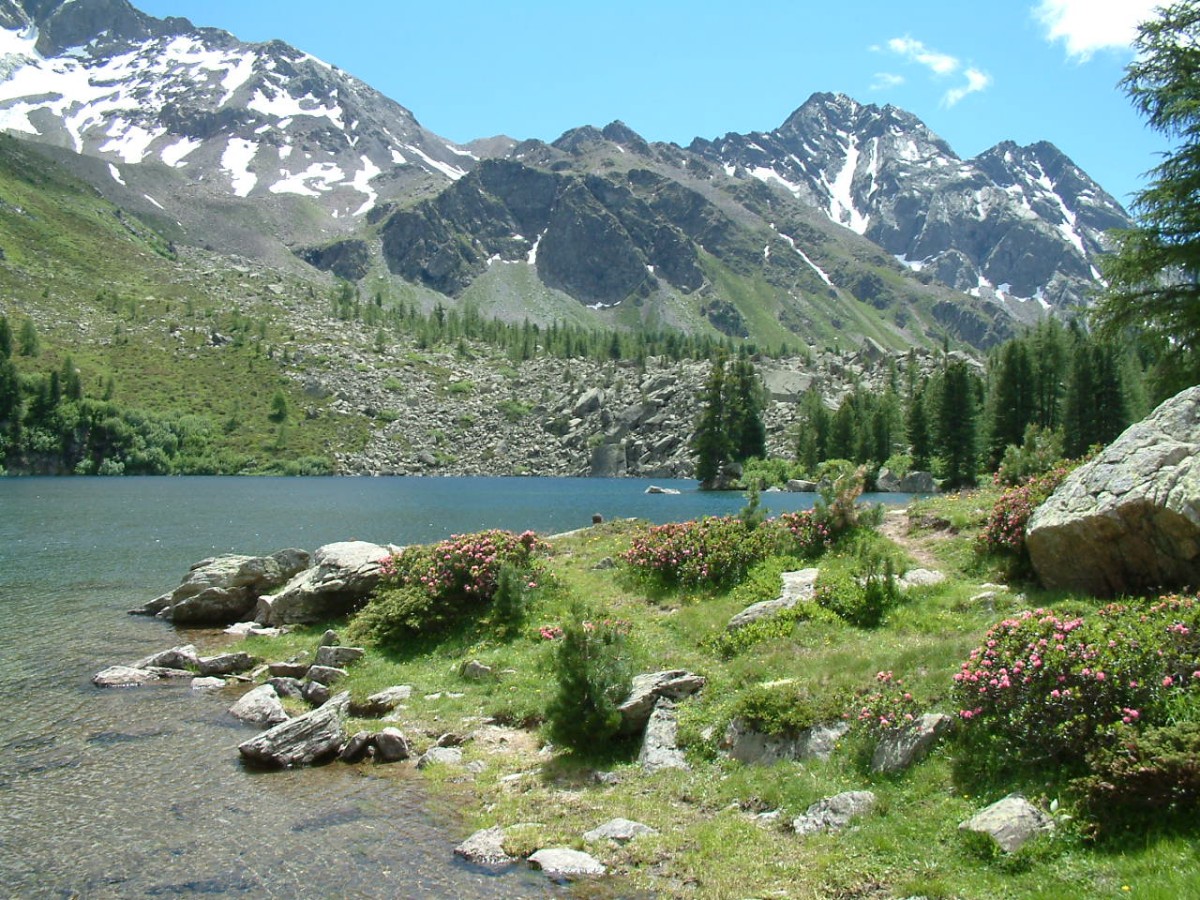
{"x": 647, "y": 689}
{"x": 357, "y": 747}
{"x": 326, "y": 675}
{"x": 259, "y": 706}
{"x": 184, "y": 657}
{"x": 316, "y": 693}
{"x": 655, "y": 489}
{"x": 560, "y": 862}
{"x": 383, "y": 702}
{"x": 287, "y": 687}
{"x": 834, "y": 813}
{"x": 288, "y": 669}
{"x": 125, "y": 676}
{"x": 798, "y": 586}
{"x": 222, "y": 590}
{"x": 477, "y": 671}
{"x": 917, "y": 483}
{"x": 226, "y": 664}
{"x": 447, "y": 756}
{"x": 1010, "y": 822}
{"x": 301, "y": 741}
{"x": 208, "y": 683}
{"x": 915, "y": 578}
{"x": 340, "y": 579}
{"x": 887, "y": 481}
{"x": 801, "y": 486}
{"x": 338, "y": 657}
{"x": 485, "y": 848}
{"x": 620, "y": 831}
{"x": 1128, "y": 521}
{"x": 745, "y": 744}
{"x": 660, "y": 749}
{"x": 902, "y": 747}
{"x": 391, "y": 746}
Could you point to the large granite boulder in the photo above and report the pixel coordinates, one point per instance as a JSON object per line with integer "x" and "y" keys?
{"x": 340, "y": 579}
{"x": 224, "y": 589}
{"x": 746, "y": 744}
{"x": 302, "y": 741}
{"x": 1128, "y": 521}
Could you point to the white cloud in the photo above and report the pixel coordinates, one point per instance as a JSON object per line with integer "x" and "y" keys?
{"x": 916, "y": 51}
{"x": 1088, "y": 26}
{"x": 885, "y": 80}
{"x": 976, "y": 82}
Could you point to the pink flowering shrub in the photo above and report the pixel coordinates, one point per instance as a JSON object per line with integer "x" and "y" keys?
{"x": 425, "y": 587}
{"x": 807, "y": 533}
{"x": 1004, "y": 531}
{"x": 887, "y": 706}
{"x": 709, "y": 552}
{"x": 1051, "y": 688}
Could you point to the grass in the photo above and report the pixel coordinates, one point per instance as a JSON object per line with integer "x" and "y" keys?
{"x": 709, "y": 841}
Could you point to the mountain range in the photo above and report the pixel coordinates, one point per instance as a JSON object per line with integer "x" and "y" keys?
{"x": 848, "y": 220}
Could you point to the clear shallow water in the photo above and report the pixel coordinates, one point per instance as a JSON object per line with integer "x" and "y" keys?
{"x": 138, "y": 792}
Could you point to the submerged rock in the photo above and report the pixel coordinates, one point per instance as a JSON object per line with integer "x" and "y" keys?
{"x": 485, "y": 848}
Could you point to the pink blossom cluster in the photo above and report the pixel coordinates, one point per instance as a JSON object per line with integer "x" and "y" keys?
{"x": 1004, "y": 530}
{"x": 465, "y": 565}
{"x": 712, "y": 550}
{"x": 889, "y": 705}
{"x": 810, "y": 533}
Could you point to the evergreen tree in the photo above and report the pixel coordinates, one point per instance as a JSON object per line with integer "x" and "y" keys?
{"x": 1095, "y": 411}
{"x": 813, "y": 424}
{"x": 1154, "y": 275}
{"x": 920, "y": 441}
{"x": 711, "y": 444}
{"x": 956, "y": 431}
{"x": 5, "y": 338}
{"x": 1012, "y": 399}
{"x": 743, "y": 412}
{"x": 27, "y": 342}
{"x": 1049, "y": 359}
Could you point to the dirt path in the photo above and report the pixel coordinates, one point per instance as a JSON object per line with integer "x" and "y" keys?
{"x": 895, "y": 528}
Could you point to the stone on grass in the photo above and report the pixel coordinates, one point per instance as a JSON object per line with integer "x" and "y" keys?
{"x": 477, "y": 671}
{"x": 326, "y": 675}
{"x": 797, "y": 587}
{"x": 338, "y": 657}
{"x": 834, "y": 813}
{"x": 915, "y": 578}
{"x": 900, "y": 748}
{"x": 561, "y": 862}
{"x": 745, "y": 744}
{"x": 301, "y": 741}
{"x": 660, "y": 748}
{"x": 259, "y": 706}
{"x": 316, "y": 693}
{"x": 1010, "y": 822}
{"x": 646, "y": 691}
{"x": 391, "y": 746}
{"x": 485, "y": 848}
{"x": 446, "y": 756}
{"x": 288, "y": 687}
{"x": 289, "y": 669}
{"x": 619, "y": 830}
{"x": 383, "y": 702}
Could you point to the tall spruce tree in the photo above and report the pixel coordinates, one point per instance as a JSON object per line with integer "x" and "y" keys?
{"x": 1154, "y": 275}
{"x": 711, "y": 444}
{"x": 743, "y": 412}
{"x": 957, "y": 425}
{"x": 1011, "y": 403}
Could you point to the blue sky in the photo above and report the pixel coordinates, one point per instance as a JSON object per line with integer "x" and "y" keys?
{"x": 976, "y": 73}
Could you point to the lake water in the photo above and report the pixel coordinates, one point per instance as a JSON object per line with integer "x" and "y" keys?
{"x": 139, "y": 792}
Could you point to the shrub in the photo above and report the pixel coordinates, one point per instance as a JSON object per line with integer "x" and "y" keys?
{"x": 805, "y": 533}
{"x": 593, "y": 677}
{"x": 713, "y": 551}
{"x": 1147, "y": 779}
{"x": 426, "y": 587}
{"x": 1004, "y": 531}
{"x": 1063, "y": 686}
{"x": 886, "y": 706}
{"x": 1040, "y": 452}
{"x": 786, "y": 707}
{"x": 862, "y": 597}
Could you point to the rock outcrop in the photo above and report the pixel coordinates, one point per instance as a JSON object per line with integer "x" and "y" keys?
{"x": 224, "y": 589}
{"x": 339, "y": 580}
{"x": 745, "y": 744}
{"x": 1011, "y": 822}
{"x": 1128, "y": 521}
{"x": 797, "y": 587}
{"x": 834, "y": 813}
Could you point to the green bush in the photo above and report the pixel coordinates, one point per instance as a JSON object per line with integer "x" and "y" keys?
{"x": 592, "y": 673}
{"x": 1040, "y": 452}
{"x": 1148, "y": 779}
{"x": 863, "y": 596}
{"x": 1003, "y": 533}
{"x": 786, "y": 708}
{"x": 709, "y": 552}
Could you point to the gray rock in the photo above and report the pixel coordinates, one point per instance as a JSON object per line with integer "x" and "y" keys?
{"x": 886, "y": 481}
{"x": 1010, "y": 822}
{"x": 1128, "y": 521}
{"x": 357, "y": 747}
{"x": 391, "y": 746}
{"x": 477, "y": 671}
{"x": 619, "y": 830}
{"x": 316, "y": 693}
{"x": 485, "y": 848}
{"x": 660, "y": 748}
{"x": 226, "y": 664}
{"x": 917, "y": 483}
{"x": 646, "y": 690}
{"x": 560, "y": 862}
{"x": 655, "y": 489}
{"x": 288, "y": 669}
{"x": 801, "y": 486}
{"x": 383, "y": 702}
{"x": 208, "y": 683}
{"x": 338, "y": 657}
{"x": 303, "y": 740}
{"x": 798, "y": 587}
{"x": 745, "y": 744}
{"x": 446, "y": 756}
{"x": 329, "y": 639}
{"x": 834, "y": 813}
{"x": 902, "y": 747}
{"x": 259, "y": 706}
{"x": 326, "y": 675}
{"x": 340, "y": 579}
{"x": 915, "y": 578}
{"x": 125, "y": 676}
{"x": 223, "y": 589}
{"x": 184, "y": 657}
{"x": 288, "y": 687}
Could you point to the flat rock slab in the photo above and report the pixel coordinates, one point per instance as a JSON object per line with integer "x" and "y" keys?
{"x": 485, "y": 848}
{"x": 798, "y": 587}
{"x": 915, "y": 578}
{"x": 226, "y": 664}
{"x": 260, "y": 706}
{"x": 1011, "y": 822}
{"x": 338, "y": 657}
{"x": 646, "y": 690}
{"x": 619, "y": 830}
{"x": 184, "y": 657}
{"x": 745, "y": 744}
{"x": 208, "y": 683}
{"x": 303, "y": 740}
{"x": 560, "y": 862}
{"x": 660, "y": 749}
{"x": 447, "y": 756}
{"x": 834, "y": 813}
{"x": 382, "y": 703}
{"x": 124, "y": 676}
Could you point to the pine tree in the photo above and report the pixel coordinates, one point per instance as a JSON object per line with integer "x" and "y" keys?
{"x": 743, "y": 412}
{"x": 1012, "y": 399}
{"x": 956, "y": 431}
{"x": 710, "y": 443}
{"x": 5, "y": 338}
{"x": 813, "y": 424}
{"x": 916, "y": 425}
